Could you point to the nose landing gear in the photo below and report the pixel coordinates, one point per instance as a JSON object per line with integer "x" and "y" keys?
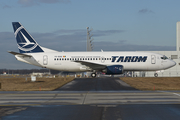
{"x": 155, "y": 75}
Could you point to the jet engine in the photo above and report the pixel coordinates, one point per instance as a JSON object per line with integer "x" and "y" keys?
{"x": 113, "y": 69}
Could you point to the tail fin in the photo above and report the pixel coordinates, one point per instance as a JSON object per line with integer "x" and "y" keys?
{"x": 25, "y": 41}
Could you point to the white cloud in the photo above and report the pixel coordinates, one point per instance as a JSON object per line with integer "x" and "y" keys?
{"x": 54, "y": 1}
{"x": 6, "y": 6}
{"x": 28, "y": 3}
{"x": 144, "y": 11}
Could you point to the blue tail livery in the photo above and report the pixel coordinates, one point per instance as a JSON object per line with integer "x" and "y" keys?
{"x": 25, "y": 41}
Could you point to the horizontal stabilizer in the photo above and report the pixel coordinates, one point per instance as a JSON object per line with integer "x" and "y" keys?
{"x": 20, "y": 54}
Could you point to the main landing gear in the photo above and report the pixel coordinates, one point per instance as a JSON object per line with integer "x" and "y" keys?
{"x": 93, "y": 75}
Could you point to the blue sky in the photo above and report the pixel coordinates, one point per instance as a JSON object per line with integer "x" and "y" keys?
{"x": 118, "y": 25}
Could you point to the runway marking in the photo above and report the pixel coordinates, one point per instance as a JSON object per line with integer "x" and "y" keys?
{"x": 176, "y": 94}
{"x": 171, "y": 93}
{"x": 51, "y": 98}
{"x": 122, "y": 83}
{"x": 86, "y": 98}
{"x": 11, "y": 110}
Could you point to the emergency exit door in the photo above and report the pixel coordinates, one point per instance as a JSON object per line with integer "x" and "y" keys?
{"x": 153, "y": 59}
{"x": 45, "y": 60}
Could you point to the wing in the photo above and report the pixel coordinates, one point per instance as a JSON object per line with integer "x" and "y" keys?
{"x": 20, "y": 54}
{"x": 91, "y": 65}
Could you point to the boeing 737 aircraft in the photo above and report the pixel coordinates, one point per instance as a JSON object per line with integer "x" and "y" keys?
{"x": 107, "y": 62}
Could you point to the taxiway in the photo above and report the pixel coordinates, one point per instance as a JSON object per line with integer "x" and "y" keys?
{"x": 91, "y": 99}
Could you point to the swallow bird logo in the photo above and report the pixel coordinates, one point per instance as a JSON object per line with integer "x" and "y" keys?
{"x": 27, "y": 41}
{"x": 24, "y": 43}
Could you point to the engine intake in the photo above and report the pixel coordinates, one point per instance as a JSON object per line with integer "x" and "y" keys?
{"x": 113, "y": 69}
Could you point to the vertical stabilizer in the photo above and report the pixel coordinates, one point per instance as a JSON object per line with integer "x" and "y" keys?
{"x": 25, "y": 41}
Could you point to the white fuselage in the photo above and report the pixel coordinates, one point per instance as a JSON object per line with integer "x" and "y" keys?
{"x": 108, "y": 62}
{"x": 67, "y": 61}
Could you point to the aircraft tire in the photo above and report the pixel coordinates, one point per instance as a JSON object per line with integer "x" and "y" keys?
{"x": 93, "y": 75}
{"x": 155, "y": 75}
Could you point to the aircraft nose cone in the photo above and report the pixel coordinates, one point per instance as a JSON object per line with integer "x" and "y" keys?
{"x": 169, "y": 64}
{"x": 173, "y": 63}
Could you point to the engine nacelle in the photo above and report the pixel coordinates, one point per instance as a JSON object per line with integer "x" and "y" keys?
{"x": 113, "y": 69}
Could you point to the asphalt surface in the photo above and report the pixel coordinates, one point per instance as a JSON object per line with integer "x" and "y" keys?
{"x": 97, "y": 112}
{"x": 96, "y": 84}
{"x": 91, "y": 99}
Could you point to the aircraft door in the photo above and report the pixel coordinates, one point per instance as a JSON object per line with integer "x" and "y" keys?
{"x": 153, "y": 59}
{"x": 45, "y": 60}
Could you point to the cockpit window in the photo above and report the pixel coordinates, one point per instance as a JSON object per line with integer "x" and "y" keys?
{"x": 164, "y": 57}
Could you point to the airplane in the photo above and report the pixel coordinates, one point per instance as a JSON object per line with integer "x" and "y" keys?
{"x": 110, "y": 63}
